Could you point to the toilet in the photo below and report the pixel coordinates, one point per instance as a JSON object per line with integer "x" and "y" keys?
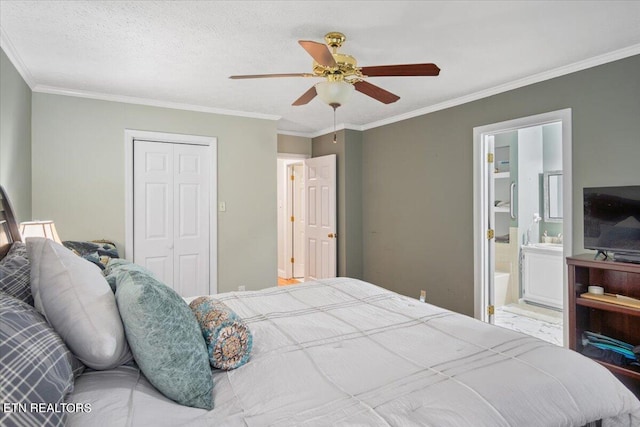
{"x": 501, "y": 286}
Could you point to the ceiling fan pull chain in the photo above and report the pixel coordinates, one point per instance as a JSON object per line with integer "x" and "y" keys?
{"x": 335, "y": 139}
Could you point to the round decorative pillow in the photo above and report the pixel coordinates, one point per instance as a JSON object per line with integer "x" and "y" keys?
{"x": 229, "y": 340}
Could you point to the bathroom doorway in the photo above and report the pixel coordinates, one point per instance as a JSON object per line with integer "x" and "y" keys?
{"x": 522, "y": 223}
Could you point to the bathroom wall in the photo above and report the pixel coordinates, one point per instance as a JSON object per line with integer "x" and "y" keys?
{"x": 529, "y": 170}
{"x": 552, "y": 147}
{"x": 551, "y": 161}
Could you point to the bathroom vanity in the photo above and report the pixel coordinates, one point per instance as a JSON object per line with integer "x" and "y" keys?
{"x": 542, "y": 274}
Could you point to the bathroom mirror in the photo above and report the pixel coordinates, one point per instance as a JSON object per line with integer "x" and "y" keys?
{"x": 553, "y": 196}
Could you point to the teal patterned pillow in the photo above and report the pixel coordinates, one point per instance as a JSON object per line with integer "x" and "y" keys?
{"x": 116, "y": 266}
{"x": 228, "y": 339}
{"x": 165, "y": 339}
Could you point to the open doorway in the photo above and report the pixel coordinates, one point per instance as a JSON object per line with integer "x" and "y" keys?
{"x": 291, "y": 217}
{"x": 307, "y": 217}
{"x": 522, "y": 223}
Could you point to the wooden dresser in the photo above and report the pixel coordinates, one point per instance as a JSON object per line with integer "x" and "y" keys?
{"x": 606, "y": 318}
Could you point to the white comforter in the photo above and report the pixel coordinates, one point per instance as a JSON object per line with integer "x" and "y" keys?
{"x": 345, "y": 352}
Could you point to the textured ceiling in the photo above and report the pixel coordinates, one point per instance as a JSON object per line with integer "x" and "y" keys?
{"x": 182, "y": 52}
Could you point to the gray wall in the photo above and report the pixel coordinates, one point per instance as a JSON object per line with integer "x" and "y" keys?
{"x": 78, "y": 177}
{"x": 348, "y": 151}
{"x": 294, "y": 144}
{"x": 15, "y": 138}
{"x": 353, "y": 204}
{"x": 418, "y": 182}
{"x": 416, "y": 176}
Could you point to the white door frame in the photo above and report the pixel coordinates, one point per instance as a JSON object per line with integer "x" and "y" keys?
{"x": 480, "y": 200}
{"x": 129, "y": 136}
{"x": 289, "y": 158}
{"x": 296, "y": 210}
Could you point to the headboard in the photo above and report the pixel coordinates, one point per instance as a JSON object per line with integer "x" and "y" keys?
{"x": 9, "y": 231}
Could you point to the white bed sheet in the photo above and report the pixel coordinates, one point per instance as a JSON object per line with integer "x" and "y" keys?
{"x": 346, "y": 352}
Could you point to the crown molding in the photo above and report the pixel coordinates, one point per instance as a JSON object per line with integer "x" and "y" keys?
{"x": 293, "y": 133}
{"x": 12, "y": 54}
{"x": 326, "y": 131}
{"x": 14, "y": 57}
{"x": 536, "y": 78}
{"x": 149, "y": 102}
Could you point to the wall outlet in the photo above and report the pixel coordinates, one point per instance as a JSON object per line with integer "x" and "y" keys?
{"x": 241, "y": 288}
{"x": 222, "y": 206}
{"x": 423, "y": 295}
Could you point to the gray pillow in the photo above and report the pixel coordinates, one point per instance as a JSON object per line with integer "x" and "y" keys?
{"x": 36, "y": 365}
{"x": 165, "y": 339}
{"x": 14, "y": 273}
{"x": 76, "y": 300}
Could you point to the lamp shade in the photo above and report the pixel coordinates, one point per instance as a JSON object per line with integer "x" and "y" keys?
{"x": 45, "y": 229}
{"x": 334, "y": 93}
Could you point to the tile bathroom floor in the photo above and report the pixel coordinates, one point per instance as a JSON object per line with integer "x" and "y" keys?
{"x": 537, "y": 321}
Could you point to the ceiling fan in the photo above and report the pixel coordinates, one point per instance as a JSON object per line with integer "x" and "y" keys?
{"x": 343, "y": 75}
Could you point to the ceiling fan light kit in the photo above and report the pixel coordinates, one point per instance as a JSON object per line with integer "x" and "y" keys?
{"x": 342, "y": 74}
{"x": 334, "y": 93}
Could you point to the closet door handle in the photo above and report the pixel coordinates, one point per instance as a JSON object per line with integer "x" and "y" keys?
{"x": 512, "y": 192}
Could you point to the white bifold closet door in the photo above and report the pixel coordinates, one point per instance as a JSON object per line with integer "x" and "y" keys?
{"x": 171, "y": 214}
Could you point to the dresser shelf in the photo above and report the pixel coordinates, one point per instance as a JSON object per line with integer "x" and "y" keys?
{"x": 601, "y": 305}
{"x": 633, "y": 374}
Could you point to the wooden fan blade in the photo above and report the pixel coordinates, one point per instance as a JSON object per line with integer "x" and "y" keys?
{"x": 401, "y": 70}
{"x": 264, "y": 76}
{"x": 320, "y": 52}
{"x": 376, "y": 92}
{"x": 306, "y": 97}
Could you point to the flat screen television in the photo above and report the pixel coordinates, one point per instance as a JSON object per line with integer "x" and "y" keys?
{"x": 612, "y": 220}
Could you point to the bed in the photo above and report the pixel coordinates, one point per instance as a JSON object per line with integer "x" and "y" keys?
{"x": 345, "y": 352}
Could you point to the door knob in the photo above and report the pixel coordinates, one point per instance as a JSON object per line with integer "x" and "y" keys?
{"x": 332, "y": 235}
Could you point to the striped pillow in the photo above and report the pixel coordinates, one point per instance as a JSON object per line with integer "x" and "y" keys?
{"x": 36, "y": 365}
{"x": 14, "y": 273}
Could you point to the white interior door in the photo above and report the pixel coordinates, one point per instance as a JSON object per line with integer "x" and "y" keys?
{"x": 153, "y": 217}
{"x": 491, "y": 225}
{"x": 171, "y": 214}
{"x": 320, "y": 225}
{"x": 191, "y": 230}
{"x": 299, "y": 219}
